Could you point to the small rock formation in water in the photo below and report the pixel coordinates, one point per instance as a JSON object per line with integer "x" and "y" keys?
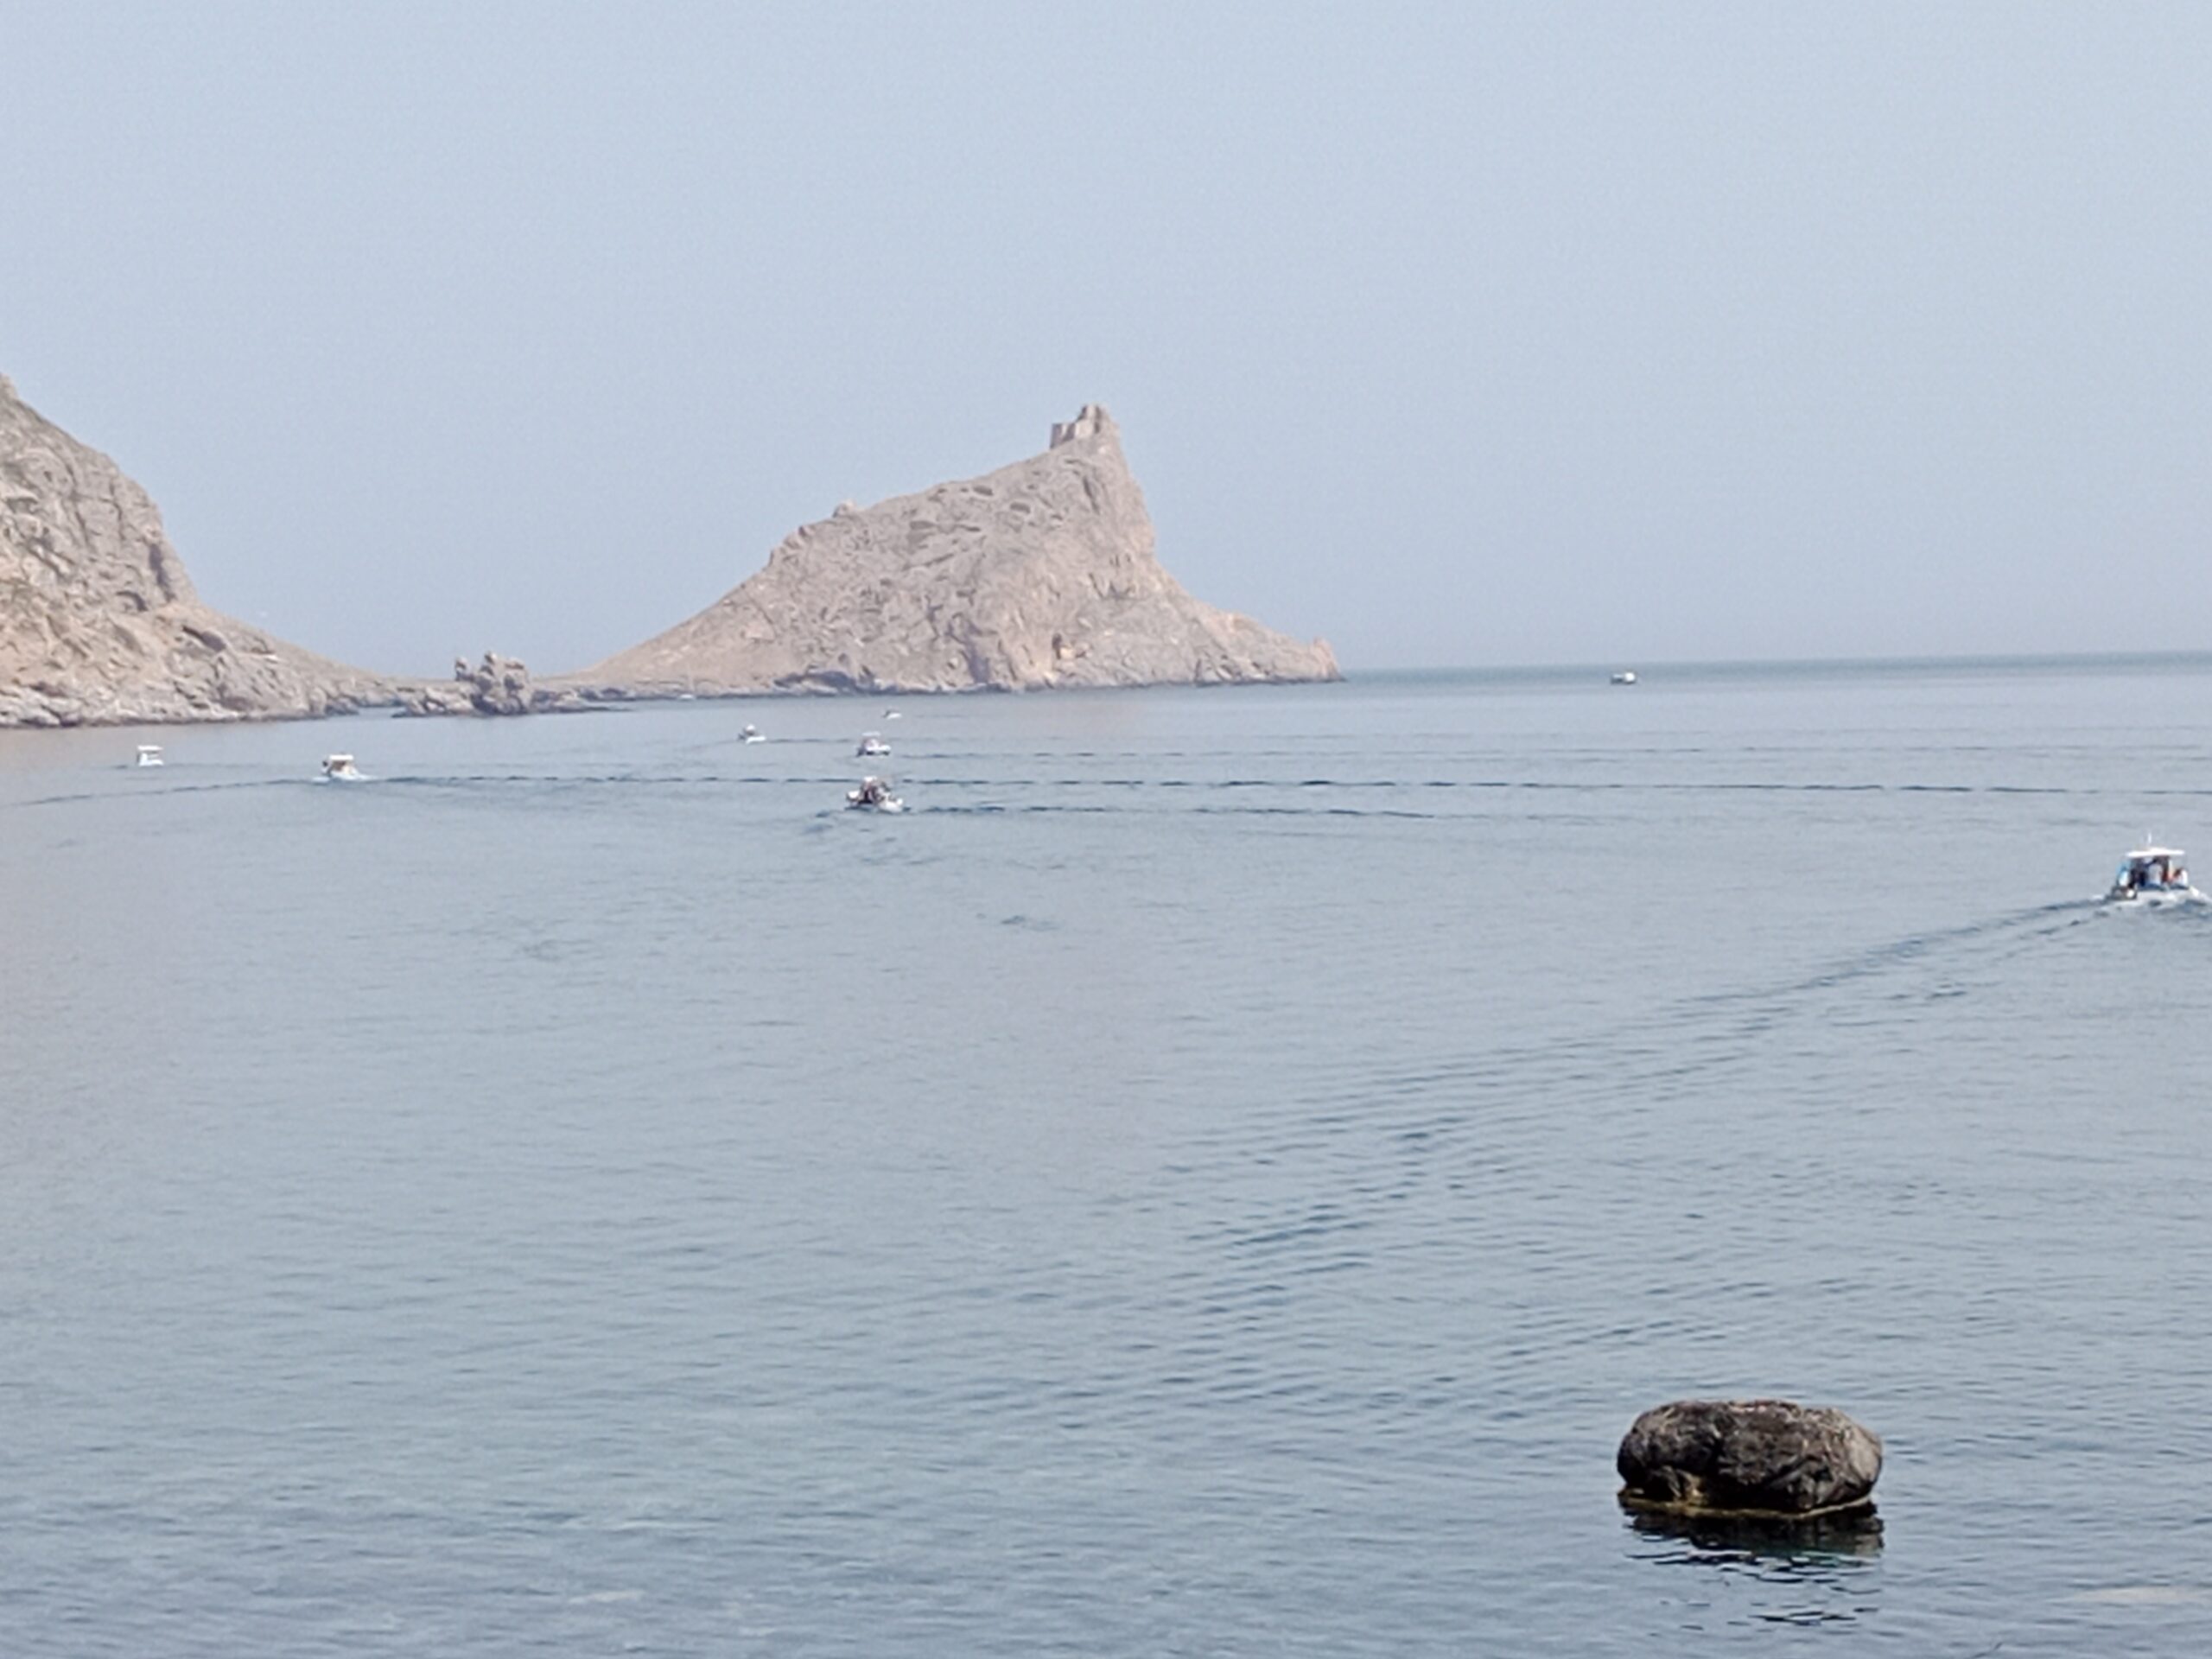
{"x": 497, "y": 685}
{"x": 99, "y": 622}
{"x": 1041, "y": 573}
{"x": 1750, "y": 1457}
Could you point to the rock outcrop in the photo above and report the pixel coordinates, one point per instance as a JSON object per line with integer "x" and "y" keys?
{"x": 497, "y": 685}
{"x": 99, "y": 622}
{"x": 1756, "y": 1458}
{"x": 1041, "y": 573}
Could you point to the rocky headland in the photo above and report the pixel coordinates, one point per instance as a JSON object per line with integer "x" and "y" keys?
{"x": 1041, "y": 573}
{"x": 99, "y": 624}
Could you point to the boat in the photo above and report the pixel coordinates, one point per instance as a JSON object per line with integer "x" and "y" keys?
{"x": 873, "y": 795}
{"x": 1626, "y": 676}
{"x": 751, "y": 735}
{"x": 872, "y": 744}
{"x": 149, "y": 754}
{"x": 2153, "y": 875}
{"x": 340, "y": 769}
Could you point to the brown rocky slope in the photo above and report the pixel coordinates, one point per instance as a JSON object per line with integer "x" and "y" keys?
{"x": 99, "y": 624}
{"x": 1041, "y": 573}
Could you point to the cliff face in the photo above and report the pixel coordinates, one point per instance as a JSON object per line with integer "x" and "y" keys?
{"x": 99, "y": 622}
{"x": 1041, "y": 573}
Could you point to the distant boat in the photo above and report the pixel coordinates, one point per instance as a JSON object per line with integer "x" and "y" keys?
{"x": 1626, "y": 676}
{"x": 872, "y": 745}
{"x": 2153, "y": 875}
{"x": 751, "y": 735}
{"x": 873, "y": 795}
{"x": 891, "y": 714}
{"x": 340, "y": 769}
{"x": 149, "y": 754}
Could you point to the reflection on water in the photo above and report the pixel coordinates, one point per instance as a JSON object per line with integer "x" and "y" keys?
{"x": 1816, "y": 1571}
{"x": 1857, "y": 1532}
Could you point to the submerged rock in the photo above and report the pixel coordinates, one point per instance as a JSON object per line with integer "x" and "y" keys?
{"x": 1769, "y": 1457}
{"x": 99, "y": 622}
{"x": 1041, "y": 573}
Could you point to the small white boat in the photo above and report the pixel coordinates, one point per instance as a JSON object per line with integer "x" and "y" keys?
{"x": 891, "y": 714}
{"x": 751, "y": 735}
{"x": 1626, "y": 676}
{"x": 340, "y": 769}
{"x": 2153, "y": 875}
{"x": 873, "y": 795}
{"x": 872, "y": 745}
{"x": 149, "y": 754}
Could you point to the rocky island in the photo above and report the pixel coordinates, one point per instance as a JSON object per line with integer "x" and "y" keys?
{"x": 497, "y": 685}
{"x": 99, "y": 622}
{"x": 1041, "y": 573}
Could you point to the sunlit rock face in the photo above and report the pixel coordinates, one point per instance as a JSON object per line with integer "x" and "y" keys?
{"x": 1041, "y": 573}
{"x": 99, "y": 622}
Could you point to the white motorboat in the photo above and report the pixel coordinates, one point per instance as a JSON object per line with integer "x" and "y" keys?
{"x": 872, "y": 745}
{"x": 873, "y": 795}
{"x": 2153, "y": 875}
{"x": 149, "y": 754}
{"x": 1626, "y": 676}
{"x": 751, "y": 735}
{"x": 340, "y": 769}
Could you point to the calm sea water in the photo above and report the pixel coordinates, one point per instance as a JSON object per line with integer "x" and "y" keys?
{"x": 1216, "y": 1177}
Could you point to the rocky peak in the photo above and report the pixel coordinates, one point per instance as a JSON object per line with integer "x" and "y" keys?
{"x": 1041, "y": 573}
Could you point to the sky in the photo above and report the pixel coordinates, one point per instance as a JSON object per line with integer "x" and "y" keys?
{"x": 1461, "y": 334}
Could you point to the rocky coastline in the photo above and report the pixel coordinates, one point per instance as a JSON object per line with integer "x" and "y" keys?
{"x": 100, "y": 624}
{"x": 1041, "y": 575}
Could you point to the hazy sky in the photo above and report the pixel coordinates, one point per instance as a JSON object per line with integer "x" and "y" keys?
{"x": 1461, "y": 334}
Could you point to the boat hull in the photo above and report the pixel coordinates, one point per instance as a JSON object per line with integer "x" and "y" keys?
{"x": 2154, "y": 898}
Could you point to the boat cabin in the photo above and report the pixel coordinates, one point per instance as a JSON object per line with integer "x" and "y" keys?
{"x": 2152, "y": 869}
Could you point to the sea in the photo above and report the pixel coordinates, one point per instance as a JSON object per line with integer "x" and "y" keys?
{"x": 1216, "y": 1176}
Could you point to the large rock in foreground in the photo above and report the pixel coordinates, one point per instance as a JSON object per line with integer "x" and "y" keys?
{"x": 1041, "y": 573}
{"x": 98, "y": 623}
{"x": 1748, "y": 1458}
